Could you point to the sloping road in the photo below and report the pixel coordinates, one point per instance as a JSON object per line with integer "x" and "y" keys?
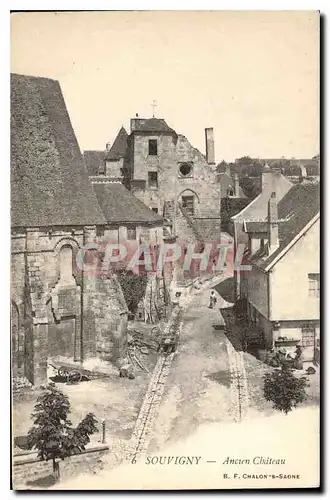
{"x": 198, "y": 388}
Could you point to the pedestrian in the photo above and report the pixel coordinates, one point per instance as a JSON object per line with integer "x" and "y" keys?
{"x": 213, "y": 300}
{"x": 297, "y": 363}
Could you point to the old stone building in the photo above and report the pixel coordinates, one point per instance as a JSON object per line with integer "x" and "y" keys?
{"x": 59, "y": 308}
{"x": 174, "y": 179}
{"x": 171, "y": 177}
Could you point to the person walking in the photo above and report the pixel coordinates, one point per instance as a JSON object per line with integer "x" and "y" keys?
{"x": 213, "y": 300}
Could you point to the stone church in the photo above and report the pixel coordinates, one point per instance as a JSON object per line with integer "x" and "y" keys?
{"x": 59, "y": 309}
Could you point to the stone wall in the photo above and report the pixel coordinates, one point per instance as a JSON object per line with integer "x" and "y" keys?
{"x": 57, "y": 308}
{"x": 201, "y": 182}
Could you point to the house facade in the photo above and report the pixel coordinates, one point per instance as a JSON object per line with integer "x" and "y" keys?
{"x": 282, "y": 288}
{"x": 256, "y": 210}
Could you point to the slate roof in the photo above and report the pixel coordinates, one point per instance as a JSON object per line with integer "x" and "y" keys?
{"x": 94, "y": 160}
{"x": 49, "y": 180}
{"x": 119, "y": 205}
{"x": 299, "y": 206}
{"x": 119, "y": 147}
{"x": 151, "y": 125}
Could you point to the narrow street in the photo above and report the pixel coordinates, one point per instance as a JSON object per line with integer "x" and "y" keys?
{"x": 197, "y": 389}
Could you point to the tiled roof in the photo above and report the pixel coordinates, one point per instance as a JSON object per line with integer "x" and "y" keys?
{"x": 119, "y": 205}
{"x": 49, "y": 180}
{"x": 299, "y": 206}
{"x": 119, "y": 147}
{"x": 151, "y": 125}
{"x": 93, "y": 161}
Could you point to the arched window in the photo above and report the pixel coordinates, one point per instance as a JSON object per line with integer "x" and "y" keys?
{"x": 188, "y": 203}
{"x": 66, "y": 275}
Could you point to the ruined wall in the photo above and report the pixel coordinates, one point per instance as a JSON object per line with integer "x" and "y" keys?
{"x": 201, "y": 182}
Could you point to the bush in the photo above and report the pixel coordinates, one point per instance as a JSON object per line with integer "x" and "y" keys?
{"x": 133, "y": 287}
{"x": 284, "y": 389}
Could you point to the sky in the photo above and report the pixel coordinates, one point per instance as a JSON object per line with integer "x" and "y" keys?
{"x": 253, "y": 76}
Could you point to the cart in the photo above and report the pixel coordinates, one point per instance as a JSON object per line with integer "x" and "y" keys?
{"x": 168, "y": 344}
{"x": 72, "y": 374}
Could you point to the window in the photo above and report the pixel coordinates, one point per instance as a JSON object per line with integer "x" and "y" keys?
{"x": 131, "y": 233}
{"x": 314, "y": 285}
{"x": 230, "y": 192}
{"x": 188, "y": 204}
{"x": 185, "y": 169}
{"x": 66, "y": 264}
{"x": 155, "y": 209}
{"x": 153, "y": 147}
{"x": 153, "y": 180}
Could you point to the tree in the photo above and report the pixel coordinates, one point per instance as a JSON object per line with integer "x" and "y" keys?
{"x": 52, "y": 433}
{"x": 284, "y": 389}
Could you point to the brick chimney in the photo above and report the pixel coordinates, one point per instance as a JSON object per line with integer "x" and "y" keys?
{"x": 273, "y": 240}
{"x": 209, "y": 146}
{"x": 236, "y": 188}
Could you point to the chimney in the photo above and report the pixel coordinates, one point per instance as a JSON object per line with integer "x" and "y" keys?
{"x": 273, "y": 241}
{"x": 209, "y": 146}
{"x": 108, "y": 146}
{"x": 236, "y": 188}
{"x": 269, "y": 177}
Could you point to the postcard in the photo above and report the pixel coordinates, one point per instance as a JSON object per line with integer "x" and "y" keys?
{"x": 165, "y": 235}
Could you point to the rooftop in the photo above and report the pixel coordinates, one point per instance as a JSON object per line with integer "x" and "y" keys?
{"x": 119, "y": 147}
{"x": 49, "y": 180}
{"x": 298, "y": 207}
{"x": 150, "y": 125}
{"x": 119, "y": 205}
